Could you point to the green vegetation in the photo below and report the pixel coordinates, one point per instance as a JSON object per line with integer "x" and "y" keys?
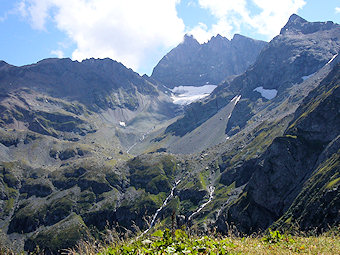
{"x": 312, "y": 105}
{"x": 264, "y": 135}
{"x": 291, "y": 136}
{"x": 9, "y": 205}
{"x": 320, "y": 189}
{"x": 153, "y": 175}
{"x": 8, "y": 138}
{"x": 179, "y": 242}
{"x": 332, "y": 183}
{"x": 62, "y": 235}
{"x": 8, "y": 184}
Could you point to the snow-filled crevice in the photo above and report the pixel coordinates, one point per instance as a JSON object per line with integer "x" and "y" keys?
{"x": 266, "y": 93}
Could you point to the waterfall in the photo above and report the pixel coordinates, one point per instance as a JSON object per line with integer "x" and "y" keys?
{"x": 160, "y": 208}
{"x": 211, "y": 195}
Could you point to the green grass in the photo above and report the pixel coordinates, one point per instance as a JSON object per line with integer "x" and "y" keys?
{"x": 332, "y": 183}
{"x": 291, "y": 136}
{"x": 179, "y": 242}
{"x": 264, "y": 135}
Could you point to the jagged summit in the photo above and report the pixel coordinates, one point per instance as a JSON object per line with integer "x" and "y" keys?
{"x": 190, "y": 40}
{"x": 191, "y": 63}
{"x": 3, "y": 63}
{"x": 294, "y": 18}
{"x": 218, "y": 41}
{"x": 239, "y": 37}
{"x": 218, "y": 37}
{"x": 296, "y": 24}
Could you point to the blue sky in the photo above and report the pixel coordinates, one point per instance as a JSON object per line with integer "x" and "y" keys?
{"x": 138, "y": 33}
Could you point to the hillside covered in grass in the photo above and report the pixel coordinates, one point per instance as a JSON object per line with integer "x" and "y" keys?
{"x": 180, "y": 242}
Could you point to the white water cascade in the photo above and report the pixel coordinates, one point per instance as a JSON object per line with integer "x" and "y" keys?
{"x": 211, "y": 196}
{"x": 160, "y": 208}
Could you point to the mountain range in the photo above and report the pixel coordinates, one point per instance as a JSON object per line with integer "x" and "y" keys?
{"x": 90, "y": 145}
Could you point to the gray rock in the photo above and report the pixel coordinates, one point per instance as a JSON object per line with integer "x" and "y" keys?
{"x": 191, "y": 63}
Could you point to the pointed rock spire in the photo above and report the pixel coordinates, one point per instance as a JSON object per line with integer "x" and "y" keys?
{"x": 296, "y": 24}
{"x": 189, "y": 39}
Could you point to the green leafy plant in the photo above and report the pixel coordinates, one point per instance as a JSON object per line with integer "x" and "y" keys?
{"x": 273, "y": 237}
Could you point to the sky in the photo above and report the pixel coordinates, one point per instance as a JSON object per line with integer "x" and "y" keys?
{"x": 139, "y": 33}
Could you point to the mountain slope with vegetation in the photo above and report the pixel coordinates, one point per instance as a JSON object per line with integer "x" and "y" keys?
{"x": 240, "y": 158}
{"x": 298, "y": 172}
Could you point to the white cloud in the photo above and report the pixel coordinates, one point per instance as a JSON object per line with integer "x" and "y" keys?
{"x": 192, "y": 3}
{"x": 201, "y": 33}
{"x": 337, "y": 9}
{"x": 3, "y": 18}
{"x": 274, "y": 15}
{"x": 36, "y": 10}
{"x": 122, "y": 30}
{"x": 231, "y": 15}
{"x": 22, "y": 9}
{"x": 58, "y": 53}
{"x": 18, "y": 8}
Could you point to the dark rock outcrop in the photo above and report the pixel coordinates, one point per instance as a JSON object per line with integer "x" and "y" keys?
{"x": 299, "y": 169}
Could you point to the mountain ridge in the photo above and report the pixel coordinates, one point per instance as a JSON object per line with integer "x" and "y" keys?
{"x": 283, "y": 62}
{"x": 194, "y": 64}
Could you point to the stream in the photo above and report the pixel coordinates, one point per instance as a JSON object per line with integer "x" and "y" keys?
{"x": 140, "y": 140}
{"x": 160, "y": 208}
{"x": 211, "y": 196}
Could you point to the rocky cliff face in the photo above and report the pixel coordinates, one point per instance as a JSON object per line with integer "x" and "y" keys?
{"x": 191, "y": 63}
{"x": 298, "y": 169}
{"x": 300, "y": 50}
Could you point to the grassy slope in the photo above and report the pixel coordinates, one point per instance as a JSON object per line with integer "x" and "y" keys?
{"x": 163, "y": 242}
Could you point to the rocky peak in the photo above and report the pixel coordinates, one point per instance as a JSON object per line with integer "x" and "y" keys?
{"x": 54, "y": 60}
{"x": 189, "y": 45}
{"x": 218, "y": 40}
{"x": 217, "y": 43}
{"x": 191, "y": 63}
{"x": 3, "y": 64}
{"x": 190, "y": 40}
{"x": 237, "y": 38}
{"x": 296, "y": 24}
{"x": 98, "y": 61}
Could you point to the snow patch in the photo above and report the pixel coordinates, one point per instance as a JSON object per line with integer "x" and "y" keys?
{"x": 266, "y": 93}
{"x": 330, "y": 61}
{"x": 184, "y": 95}
{"x": 307, "y": 76}
{"x": 236, "y": 99}
{"x": 122, "y": 123}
